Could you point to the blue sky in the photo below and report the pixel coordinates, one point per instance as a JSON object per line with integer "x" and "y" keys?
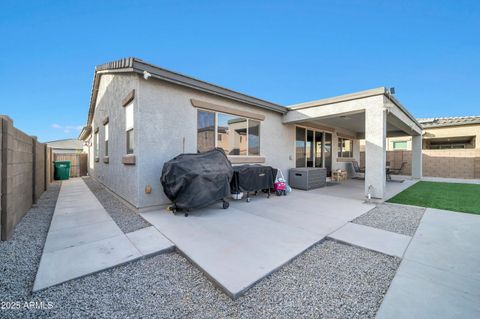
{"x": 282, "y": 51}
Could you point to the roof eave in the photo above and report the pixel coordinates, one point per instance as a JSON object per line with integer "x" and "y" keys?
{"x": 85, "y": 133}
{"x": 138, "y": 66}
{"x": 184, "y": 80}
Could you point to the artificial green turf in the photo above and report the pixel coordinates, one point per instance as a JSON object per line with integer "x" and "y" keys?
{"x": 449, "y": 196}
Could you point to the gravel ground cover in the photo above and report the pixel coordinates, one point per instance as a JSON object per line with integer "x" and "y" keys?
{"x": 395, "y": 218}
{"x": 126, "y": 219}
{"x": 20, "y": 256}
{"x": 331, "y": 280}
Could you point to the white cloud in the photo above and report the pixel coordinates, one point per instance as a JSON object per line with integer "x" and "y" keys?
{"x": 67, "y": 128}
{"x": 74, "y": 127}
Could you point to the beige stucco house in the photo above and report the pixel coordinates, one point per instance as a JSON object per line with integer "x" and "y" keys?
{"x": 142, "y": 115}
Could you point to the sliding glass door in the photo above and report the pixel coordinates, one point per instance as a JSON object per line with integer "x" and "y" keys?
{"x": 310, "y": 148}
{"x": 300, "y": 152}
{"x": 328, "y": 153}
{"x": 318, "y": 149}
{"x": 313, "y": 149}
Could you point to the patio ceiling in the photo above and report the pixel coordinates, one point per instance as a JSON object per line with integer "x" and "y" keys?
{"x": 355, "y": 123}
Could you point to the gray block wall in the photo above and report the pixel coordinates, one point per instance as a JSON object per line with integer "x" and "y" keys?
{"x": 22, "y": 174}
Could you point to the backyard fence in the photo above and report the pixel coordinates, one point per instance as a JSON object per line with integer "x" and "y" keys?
{"x": 449, "y": 163}
{"x": 24, "y": 174}
{"x": 78, "y": 162}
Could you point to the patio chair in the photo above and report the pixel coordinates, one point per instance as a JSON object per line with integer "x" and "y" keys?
{"x": 397, "y": 171}
{"x": 358, "y": 172}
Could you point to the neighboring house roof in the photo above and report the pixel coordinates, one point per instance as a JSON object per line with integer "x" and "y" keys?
{"x": 448, "y": 121}
{"x": 67, "y": 144}
{"x": 134, "y": 65}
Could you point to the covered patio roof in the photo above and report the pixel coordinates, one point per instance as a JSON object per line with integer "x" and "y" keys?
{"x": 348, "y": 112}
{"x": 372, "y": 115}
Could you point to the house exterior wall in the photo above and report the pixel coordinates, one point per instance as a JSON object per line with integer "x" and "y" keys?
{"x": 120, "y": 178}
{"x": 167, "y": 126}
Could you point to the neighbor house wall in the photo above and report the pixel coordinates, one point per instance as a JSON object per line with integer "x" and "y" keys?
{"x": 440, "y": 132}
{"x": 23, "y": 176}
{"x": 167, "y": 126}
{"x": 454, "y": 131}
{"x": 120, "y": 178}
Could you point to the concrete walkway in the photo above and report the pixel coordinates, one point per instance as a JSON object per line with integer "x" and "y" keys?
{"x": 241, "y": 245}
{"x": 383, "y": 241}
{"x": 84, "y": 239}
{"x": 450, "y": 180}
{"x": 439, "y": 276}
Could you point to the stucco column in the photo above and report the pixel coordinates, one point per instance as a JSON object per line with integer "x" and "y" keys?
{"x": 375, "y": 151}
{"x": 417, "y": 156}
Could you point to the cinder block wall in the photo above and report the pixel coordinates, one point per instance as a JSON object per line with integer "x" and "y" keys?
{"x": 451, "y": 163}
{"x": 40, "y": 170}
{"x": 23, "y": 174}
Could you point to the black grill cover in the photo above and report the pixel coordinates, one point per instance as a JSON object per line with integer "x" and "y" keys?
{"x": 197, "y": 180}
{"x": 251, "y": 178}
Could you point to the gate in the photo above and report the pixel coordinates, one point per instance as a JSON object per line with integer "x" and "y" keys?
{"x": 78, "y": 163}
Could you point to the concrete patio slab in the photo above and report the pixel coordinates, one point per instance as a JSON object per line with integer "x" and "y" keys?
{"x": 439, "y": 276}
{"x": 150, "y": 241}
{"x": 84, "y": 239}
{"x": 355, "y": 188}
{"x": 383, "y": 241}
{"x": 241, "y": 245}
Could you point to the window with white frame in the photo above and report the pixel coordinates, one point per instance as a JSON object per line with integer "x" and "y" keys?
{"x": 106, "y": 139}
{"x": 345, "y": 149}
{"x": 234, "y": 134}
{"x": 97, "y": 144}
{"x": 129, "y": 128}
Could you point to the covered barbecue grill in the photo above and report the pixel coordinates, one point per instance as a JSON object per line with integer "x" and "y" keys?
{"x": 251, "y": 178}
{"x": 197, "y": 180}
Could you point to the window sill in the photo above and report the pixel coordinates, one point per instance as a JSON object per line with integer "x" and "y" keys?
{"x": 129, "y": 159}
{"x": 241, "y": 159}
{"x": 97, "y": 159}
{"x": 345, "y": 159}
{"x": 106, "y": 159}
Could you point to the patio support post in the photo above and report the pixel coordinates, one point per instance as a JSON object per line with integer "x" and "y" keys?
{"x": 417, "y": 156}
{"x": 375, "y": 151}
